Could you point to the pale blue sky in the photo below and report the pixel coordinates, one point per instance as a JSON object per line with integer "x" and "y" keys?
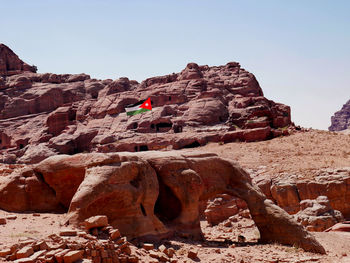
{"x": 299, "y": 50}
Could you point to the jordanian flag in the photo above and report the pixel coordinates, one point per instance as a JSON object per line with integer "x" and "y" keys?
{"x": 141, "y": 106}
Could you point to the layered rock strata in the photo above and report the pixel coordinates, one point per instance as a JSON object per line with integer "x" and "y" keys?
{"x": 147, "y": 195}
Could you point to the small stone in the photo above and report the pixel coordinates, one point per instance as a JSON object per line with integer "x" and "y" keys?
{"x": 5, "y": 252}
{"x": 73, "y": 256}
{"x": 228, "y": 224}
{"x": 24, "y": 252}
{"x": 115, "y": 234}
{"x": 133, "y": 259}
{"x": 170, "y": 252}
{"x": 24, "y": 260}
{"x": 192, "y": 254}
{"x": 59, "y": 256}
{"x": 11, "y": 217}
{"x": 153, "y": 254}
{"x": 162, "y": 248}
{"x": 36, "y": 214}
{"x": 68, "y": 232}
{"x": 148, "y": 246}
{"x": 37, "y": 254}
{"x": 96, "y": 221}
{"x": 2, "y": 221}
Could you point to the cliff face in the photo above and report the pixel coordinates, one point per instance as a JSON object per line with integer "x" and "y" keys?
{"x": 341, "y": 119}
{"x": 10, "y": 64}
{"x": 46, "y": 114}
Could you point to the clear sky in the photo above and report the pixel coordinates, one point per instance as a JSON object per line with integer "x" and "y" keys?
{"x": 299, "y": 50}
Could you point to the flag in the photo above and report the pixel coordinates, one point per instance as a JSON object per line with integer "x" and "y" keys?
{"x": 139, "y": 107}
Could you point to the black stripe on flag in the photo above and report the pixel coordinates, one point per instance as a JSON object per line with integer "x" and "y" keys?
{"x": 135, "y": 104}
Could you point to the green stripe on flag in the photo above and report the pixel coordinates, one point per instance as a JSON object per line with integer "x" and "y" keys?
{"x": 130, "y": 113}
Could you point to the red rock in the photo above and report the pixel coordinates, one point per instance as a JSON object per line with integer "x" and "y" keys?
{"x": 135, "y": 190}
{"x": 10, "y": 64}
{"x": 318, "y": 215}
{"x": 2, "y": 221}
{"x": 68, "y": 232}
{"x": 342, "y": 227}
{"x": 25, "y": 252}
{"x": 5, "y": 252}
{"x": 72, "y": 113}
{"x": 114, "y": 234}
{"x": 24, "y": 260}
{"x": 96, "y": 221}
{"x": 287, "y": 196}
{"x": 192, "y": 254}
{"x": 73, "y": 256}
{"x": 148, "y": 246}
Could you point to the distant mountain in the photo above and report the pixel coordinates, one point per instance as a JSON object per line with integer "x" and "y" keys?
{"x": 341, "y": 119}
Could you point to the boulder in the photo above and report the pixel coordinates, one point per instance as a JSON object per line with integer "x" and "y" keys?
{"x": 222, "y": 207}
{"x": 95, "y": 221}
{"x": 318, "y": 215}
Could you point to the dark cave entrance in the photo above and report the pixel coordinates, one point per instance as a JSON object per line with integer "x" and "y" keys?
{"x": 168, "y": 206}
{"x": 163, "y": 126}
{"x": 192, "y": 145}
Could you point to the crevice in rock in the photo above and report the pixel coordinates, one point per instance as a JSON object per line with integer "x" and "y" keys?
{"x": 168, "y": 206}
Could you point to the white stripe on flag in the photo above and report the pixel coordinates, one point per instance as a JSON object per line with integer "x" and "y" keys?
{"x": 133, "y": 108}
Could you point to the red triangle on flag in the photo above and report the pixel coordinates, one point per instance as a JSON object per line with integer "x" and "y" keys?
{"x": 147, "y": 104}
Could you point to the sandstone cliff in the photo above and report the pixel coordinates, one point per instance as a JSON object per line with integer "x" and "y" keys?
{"x": 46, "y": 114}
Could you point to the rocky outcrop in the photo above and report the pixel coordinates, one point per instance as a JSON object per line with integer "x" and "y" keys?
{"x": 341, "y": 119}
{"x": 71, "y": 114}
{"x": 222, "y": 207}
{"x": 153, "y": 194}
{"x": 10, "y": 64}
{"x": 299, "y": 197}
{"x": 318, "y": 215}
{"x": 289, "y": 192}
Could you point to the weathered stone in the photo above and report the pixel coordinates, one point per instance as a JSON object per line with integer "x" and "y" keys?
{"x": 73, "y": 256}
{"x": 192, "y": 254}
{"x": 96, "y": 221}
{"x": 25, "y": 252}
{"x": 68, "y": 232}
{"x": 114, "y": 234}
{"x": 5, "y": 252}
{"x": 148, "y": 246}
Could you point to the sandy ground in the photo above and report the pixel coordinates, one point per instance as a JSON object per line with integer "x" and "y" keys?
{"x": 302, "y": 153}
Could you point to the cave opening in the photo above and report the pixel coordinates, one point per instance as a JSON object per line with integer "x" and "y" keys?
{"x": 168, "y": 206}
{"x": 143, "y": 148}
{"x": 21, "y": 146}
{"x": 163, "y": 126}
{"x": 192, "y": 145}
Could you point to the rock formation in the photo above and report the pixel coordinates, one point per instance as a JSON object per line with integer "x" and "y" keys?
{"x": 46, "y": 114}
{"x": 341, "y": 119}
{"x": 10, "y": 64}
{"x": 222, "y": 207}
{"x": 146, "y": 195}
{"x": 318, "y": 215}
